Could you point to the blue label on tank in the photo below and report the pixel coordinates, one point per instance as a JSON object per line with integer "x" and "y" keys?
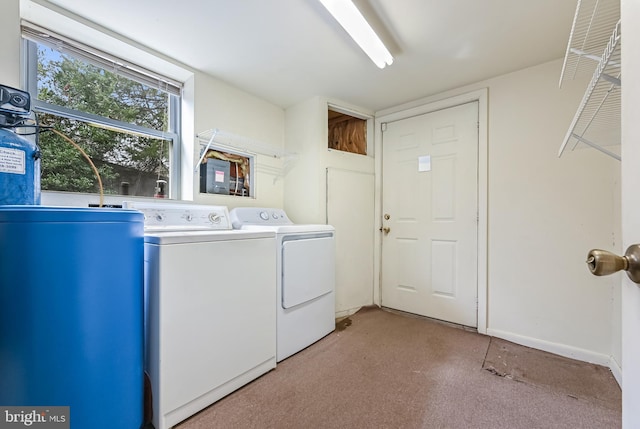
{"x": 19, "y": 170}
{"x": 12, "y": 161}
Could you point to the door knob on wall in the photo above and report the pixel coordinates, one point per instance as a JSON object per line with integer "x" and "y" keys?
{"x": 603, "y": 263}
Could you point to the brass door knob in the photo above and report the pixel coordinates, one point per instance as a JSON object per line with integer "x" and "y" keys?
{"x": 603, "y": 263}
{"x": 386, "y": 230}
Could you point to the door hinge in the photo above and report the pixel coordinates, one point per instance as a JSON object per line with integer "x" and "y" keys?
{"x": 383, "y": 126}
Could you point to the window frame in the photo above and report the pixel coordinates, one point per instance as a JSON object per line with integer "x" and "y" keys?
{"x": 30, "y": 75}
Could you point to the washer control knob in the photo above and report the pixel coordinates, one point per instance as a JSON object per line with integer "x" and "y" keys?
{"x": 214, "y": 217}
{"x": 159, "y": 217}
{"x": 264, "y": 215}
{"x": 275, "y": 215}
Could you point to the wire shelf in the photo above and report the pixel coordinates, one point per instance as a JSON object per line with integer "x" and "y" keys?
{"x": 592, "y": 25}
{"x": 243, "y": 145}
{"x": 597, "y": 119}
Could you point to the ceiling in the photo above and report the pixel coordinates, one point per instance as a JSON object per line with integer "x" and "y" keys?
{"x": 287, "y": 51}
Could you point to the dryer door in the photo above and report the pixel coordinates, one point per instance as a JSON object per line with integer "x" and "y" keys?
{"x": 308, "y": 268}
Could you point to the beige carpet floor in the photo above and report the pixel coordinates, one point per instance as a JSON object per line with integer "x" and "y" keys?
{"x": 381, "y": 369}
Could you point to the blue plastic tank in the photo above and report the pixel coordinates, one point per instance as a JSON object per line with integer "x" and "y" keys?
{"x": 19, "y": 170}
{"x": 71, "y": 312}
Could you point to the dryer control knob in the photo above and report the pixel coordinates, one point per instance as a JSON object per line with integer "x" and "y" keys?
{"x": 264, "y": 215}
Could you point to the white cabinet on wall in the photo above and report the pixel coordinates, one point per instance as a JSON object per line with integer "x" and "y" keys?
{"x": 336, "y": 187}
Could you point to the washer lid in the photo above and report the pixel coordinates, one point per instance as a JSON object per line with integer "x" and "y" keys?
{"x": 182, "y": 237}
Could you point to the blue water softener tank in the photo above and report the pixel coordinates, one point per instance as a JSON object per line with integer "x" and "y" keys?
{"x": 19, "y": 170}
{"x": 71, "y": 313}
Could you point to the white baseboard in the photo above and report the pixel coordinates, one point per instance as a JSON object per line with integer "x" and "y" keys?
{"x": 347, "y": 313}
{"x": 616, "y": 370}
{"x": 556, "y": 348}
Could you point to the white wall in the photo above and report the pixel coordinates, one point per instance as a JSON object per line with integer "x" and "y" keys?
{"x": 544, "y": 214}
{"x": 305, "y": 184}
{"x": 10, "y": 36}
{"x": 616, "y": 301}
{"x": 307, "y": 135}
{"x": 221, "y": 106}
{"x": 335, "y": 186}
{"x": 207, "y": 103}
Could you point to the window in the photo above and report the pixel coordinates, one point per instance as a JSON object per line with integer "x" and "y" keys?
{"x": 226, "y": 172}
{"x": 347, "y": 133}
{"x": 124, "y": 117}
{"x": 227, "y": 163}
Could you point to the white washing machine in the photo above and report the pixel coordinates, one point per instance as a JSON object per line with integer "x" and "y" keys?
{"x": 209, "y": 294}
{"x": 305, "y": 258}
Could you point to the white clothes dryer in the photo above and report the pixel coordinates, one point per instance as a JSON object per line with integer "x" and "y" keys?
{"x": 305, "y": 259}
{"x": 209, "y": 293}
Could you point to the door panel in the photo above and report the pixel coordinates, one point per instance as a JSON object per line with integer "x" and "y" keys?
{"x": 443, "y": 271}
{"x": 308, "y": 269}
{"x": 443, "y": 198}
{"x": 350, "y": 205}
{"x": 430, "y": 194}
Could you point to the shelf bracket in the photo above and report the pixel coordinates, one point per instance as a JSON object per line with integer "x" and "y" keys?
{"x": 597, "y": 147}
{"x": 214, "y": 133}
{"x": 611, "y": 79}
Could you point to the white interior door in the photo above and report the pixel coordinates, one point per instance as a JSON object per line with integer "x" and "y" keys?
{"x": 430, "y": 211}
{"x": 630, "y": 212}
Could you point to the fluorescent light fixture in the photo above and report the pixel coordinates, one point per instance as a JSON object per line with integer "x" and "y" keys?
{"x": 348, "y": 15}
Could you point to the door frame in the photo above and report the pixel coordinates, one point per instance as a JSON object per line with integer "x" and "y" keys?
{"x": 630, "y": 179}
{"x": 420, "y": 107}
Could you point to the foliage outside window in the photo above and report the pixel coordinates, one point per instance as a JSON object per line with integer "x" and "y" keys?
{"x": 127, "y": 126}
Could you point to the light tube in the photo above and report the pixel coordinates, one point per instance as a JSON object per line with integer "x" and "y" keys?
{"x": 350, "y": 18}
